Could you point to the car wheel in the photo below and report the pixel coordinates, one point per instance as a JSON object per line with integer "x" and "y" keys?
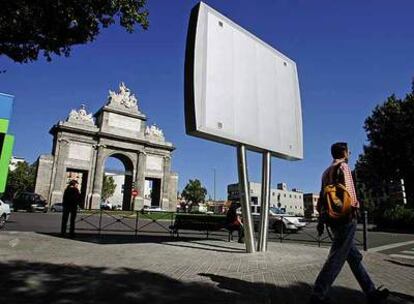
{"x": 53, "y": 210}
{"x": 2, "y": 221}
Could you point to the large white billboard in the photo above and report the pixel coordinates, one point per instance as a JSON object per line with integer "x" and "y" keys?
{"x": 238, "y": 89}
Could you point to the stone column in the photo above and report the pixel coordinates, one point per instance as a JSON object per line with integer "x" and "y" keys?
{"x": 59, "y": 175}
{"x": 98, "y": 177}
{"x": 140, "y": 180}
{"x": 165, "y": 182}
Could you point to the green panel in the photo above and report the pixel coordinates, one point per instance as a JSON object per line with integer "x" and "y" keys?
{"x": 5, "y": 157}
{"x": 4, "y": 125}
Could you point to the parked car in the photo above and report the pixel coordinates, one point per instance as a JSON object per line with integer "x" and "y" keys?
{"x": 10, "y": 203}
{"x": 290, "y": 222}
{"x": 107, "y": 205}
{"x": 30, "y": 202}
{"x": 4, "y": 213}
{"x": 57, "y": 207}
{"x": 148, "y": 209}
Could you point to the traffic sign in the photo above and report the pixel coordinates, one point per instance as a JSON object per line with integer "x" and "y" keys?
{"x": 134, "y": 192}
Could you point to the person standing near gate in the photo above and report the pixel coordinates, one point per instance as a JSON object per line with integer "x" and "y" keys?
{"x": 337, "y": 207}
{"x": 71, "y": 201}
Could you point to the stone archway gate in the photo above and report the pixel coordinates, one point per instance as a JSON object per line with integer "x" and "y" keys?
{"x": 82, "y": 143}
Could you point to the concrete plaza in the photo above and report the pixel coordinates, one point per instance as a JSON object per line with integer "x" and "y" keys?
{"x": 44, "y": 268}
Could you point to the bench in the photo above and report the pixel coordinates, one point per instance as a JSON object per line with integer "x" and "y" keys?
{"x": 200, "y": 222}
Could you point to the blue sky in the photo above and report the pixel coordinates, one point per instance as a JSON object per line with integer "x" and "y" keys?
{"x": 350, "y": 55}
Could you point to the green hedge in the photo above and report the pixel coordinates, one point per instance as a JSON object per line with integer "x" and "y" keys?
{"x": 396, "y": 218}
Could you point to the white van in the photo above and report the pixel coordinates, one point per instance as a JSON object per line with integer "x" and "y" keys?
{"x": 4, "y": 213}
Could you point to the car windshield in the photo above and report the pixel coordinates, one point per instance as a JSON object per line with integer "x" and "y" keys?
{"x": 41, "y": 197}
{"x": 276, "y": 210}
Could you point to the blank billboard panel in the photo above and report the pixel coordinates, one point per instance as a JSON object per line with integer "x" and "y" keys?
{"x": 238, "y": 89}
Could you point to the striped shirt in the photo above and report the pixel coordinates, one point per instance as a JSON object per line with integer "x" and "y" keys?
{"x": 327, "y": 179}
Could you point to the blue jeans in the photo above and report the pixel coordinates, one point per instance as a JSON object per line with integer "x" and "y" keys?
{"x": 343, "y": 249}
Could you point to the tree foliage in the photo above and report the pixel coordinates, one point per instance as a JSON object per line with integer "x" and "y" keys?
{"x": 108, "y": 187}
{"x": 194, "y": 192}
{"x": 22, "y": 178}
{"x": 28, "y": 27}
{"x": 389, "y": 154}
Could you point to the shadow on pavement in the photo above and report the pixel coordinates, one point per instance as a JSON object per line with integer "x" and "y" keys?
{"x": 400, "y": 263}
{"x": 206, "y": 247}
{"x": 23, "y": 282}
{"x": 108, "y": 239}
{"x": 296, "y": 293}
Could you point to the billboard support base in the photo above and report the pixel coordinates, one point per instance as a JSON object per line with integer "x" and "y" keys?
{"x": 245, "y": 198}
{"x": 265, "y": 201}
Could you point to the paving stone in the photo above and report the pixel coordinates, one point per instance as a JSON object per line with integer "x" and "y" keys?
{"x": 218, "y": 270}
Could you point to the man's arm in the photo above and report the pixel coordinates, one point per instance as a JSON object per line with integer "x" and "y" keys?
{"x": 349, "y": 184}
{"x": 321, "y": 225}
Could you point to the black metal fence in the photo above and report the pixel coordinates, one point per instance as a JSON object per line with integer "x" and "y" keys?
{"x": 125, "y": 222}
{"x": 154, "y": 222}
{"x": 309, "y": 232}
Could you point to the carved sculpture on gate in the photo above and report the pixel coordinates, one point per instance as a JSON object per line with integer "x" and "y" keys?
{"x": 123, "y": 98}
{"x": 154, "y": 133}
{"x": 81, "y": 116}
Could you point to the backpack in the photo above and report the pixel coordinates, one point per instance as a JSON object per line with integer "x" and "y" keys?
{"x": 335, "y": 201}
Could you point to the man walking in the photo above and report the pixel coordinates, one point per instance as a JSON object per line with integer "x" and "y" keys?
{"x": 343, "y": 248}
{"x": 71, "y": 201}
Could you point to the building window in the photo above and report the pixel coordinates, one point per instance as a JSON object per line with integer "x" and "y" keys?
{"x": 284, "y": 195}
{"x": 290, "y": 195}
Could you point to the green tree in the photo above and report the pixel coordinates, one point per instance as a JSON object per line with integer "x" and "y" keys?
{"x": 28, "y": 27}
{"x": 389, "y": 154}
{"x": 108, "y": 187}
{"x": 194, "y": 192}
{"x": 22, "y": 178}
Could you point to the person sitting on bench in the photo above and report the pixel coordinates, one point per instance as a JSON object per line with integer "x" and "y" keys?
{"x": 233, "y": 221}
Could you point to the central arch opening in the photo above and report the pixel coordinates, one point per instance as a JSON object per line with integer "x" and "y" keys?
{"x": 117, "y": 183}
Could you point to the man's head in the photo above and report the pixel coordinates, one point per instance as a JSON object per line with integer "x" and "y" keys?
{"x": 73, "y": 183}
{"x": 340, "y": 150}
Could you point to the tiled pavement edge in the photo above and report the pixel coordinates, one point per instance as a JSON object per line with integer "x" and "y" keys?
{"x": 193, "y": 271}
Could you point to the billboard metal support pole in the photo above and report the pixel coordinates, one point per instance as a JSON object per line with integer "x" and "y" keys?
{"x": 265, "y": 202}
{"x": 245, "y": 198}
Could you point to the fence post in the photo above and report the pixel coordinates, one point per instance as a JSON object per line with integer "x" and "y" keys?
{"x": 207, "y": 228}
{"x": 100, "y": 222}
{"x": 136, "y": 222}
{"x": 282, "y": 227}
{"x": 365, "y": 230}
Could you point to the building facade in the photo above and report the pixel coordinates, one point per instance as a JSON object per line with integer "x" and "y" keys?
{"x": 291, "y": 201}
{"x": 83, "y": 142}
{"x": 310, "y": 200}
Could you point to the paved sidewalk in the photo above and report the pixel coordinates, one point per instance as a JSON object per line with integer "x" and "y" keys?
{"x": 40, "y": 268}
